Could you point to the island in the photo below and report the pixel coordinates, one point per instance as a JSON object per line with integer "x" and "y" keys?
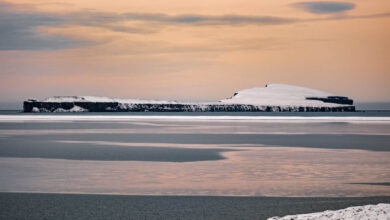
{"x": 271, "y": 98}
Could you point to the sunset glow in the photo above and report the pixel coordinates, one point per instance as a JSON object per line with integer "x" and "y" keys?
{"x": 192, "y": 50}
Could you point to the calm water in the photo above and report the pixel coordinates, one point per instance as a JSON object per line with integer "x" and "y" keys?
{"x": 344, "y": 154}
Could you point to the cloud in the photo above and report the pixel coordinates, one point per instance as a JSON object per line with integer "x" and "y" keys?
{"x": 113, "y": 21}
{"x": 380, "y": 15}
{"x": 18, "y": 31}
{"x": 209, "y": 20}
{"x": 27, "y": 40}
{"x": 325, "y": 7}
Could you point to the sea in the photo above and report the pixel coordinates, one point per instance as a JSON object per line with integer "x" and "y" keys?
{"x": 253, "y": 154}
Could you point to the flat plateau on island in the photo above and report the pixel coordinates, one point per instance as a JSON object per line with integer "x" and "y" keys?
{"x": 271, "y": 98}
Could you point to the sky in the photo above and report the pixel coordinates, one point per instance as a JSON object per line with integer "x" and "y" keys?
{"x": 192, "y": 50}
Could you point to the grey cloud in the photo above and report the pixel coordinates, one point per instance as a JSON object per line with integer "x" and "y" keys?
{"x": 325, "y": 7}
{"x": 109, "y": 20}
{"x": 18, "y": 31}
{"x": 29, "y": 40}
{"x": 209, "y": 20}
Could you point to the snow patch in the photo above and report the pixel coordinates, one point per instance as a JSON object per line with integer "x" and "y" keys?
{"x": 104, "y": 99}
{"x": 379, "y": 212}
{"x": 77, "y": 109}
{"x": 35, "y": 109}
{"x": 279, "y": 95}
{"x": 74, "y": 109}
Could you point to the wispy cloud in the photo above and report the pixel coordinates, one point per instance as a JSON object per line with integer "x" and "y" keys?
{"x": 341, "y": 17}
{"x": 209, "y": 20}
{"x": 325, "y": 7}
{"x": 20, "y": 30}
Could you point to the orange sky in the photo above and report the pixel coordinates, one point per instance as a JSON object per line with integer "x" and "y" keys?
{"x": 192, "y": 50}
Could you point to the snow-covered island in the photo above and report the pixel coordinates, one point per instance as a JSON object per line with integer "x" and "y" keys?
{"x": 367, "y": 212}
{"x": 271, "y": 98}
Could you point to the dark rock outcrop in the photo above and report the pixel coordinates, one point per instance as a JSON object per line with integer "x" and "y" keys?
{"x": 334, "y": 99}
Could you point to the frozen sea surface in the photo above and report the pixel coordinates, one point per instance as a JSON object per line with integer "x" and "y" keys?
{"x": 71, "y": 206}
{"x": 196, "y": 154}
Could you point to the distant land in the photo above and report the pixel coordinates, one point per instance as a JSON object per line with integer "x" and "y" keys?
{"x": 271, "y": 98}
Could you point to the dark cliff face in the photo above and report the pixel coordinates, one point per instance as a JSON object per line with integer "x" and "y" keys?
{"x": 334, "y": 99}
{"x": 36, "y": 106}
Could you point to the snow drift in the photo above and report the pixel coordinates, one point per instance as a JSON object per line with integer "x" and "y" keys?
{"x": 368, "y": 212}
